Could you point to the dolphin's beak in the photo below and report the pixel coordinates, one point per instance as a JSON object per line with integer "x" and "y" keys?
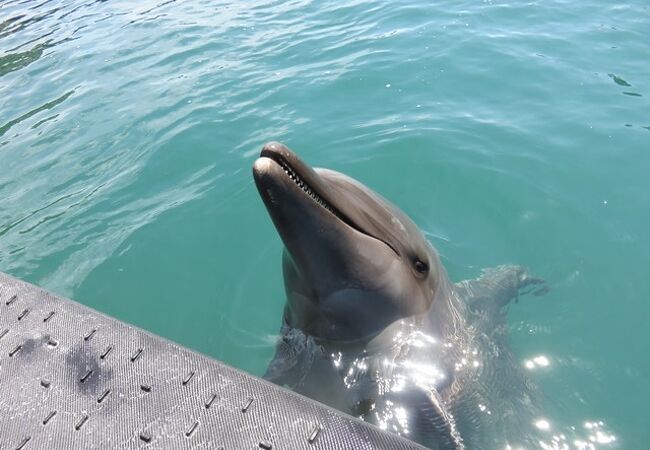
{"x": 310, "y": 214}
{"x": 292, "y": 190}
{"x": 278, "y": 168}
{"x": 296, "y": 198}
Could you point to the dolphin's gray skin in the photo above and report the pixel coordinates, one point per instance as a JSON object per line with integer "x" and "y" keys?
{"x": 372, "y": 325}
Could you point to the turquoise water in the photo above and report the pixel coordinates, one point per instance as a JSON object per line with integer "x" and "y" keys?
{"x": 510, "y": 132}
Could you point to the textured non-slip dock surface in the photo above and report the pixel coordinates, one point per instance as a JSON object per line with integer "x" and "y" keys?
{"x": 72, "y": 378}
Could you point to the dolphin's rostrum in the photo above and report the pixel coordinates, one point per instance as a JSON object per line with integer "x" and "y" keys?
{"x": 373, "y": 326}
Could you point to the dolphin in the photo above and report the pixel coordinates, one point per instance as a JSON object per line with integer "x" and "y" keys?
{"x": 373, "y": 326}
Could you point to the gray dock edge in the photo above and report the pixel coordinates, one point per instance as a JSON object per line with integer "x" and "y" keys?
{"x": 73, "y": 378}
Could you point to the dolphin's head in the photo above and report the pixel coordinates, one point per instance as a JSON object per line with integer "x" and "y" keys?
{"x": 353, "y": 262}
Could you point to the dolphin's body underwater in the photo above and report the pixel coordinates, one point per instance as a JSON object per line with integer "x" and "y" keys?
{"x": 373, "y": 326}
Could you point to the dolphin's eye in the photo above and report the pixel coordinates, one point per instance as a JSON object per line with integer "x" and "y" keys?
{"x": 421, "y": 266}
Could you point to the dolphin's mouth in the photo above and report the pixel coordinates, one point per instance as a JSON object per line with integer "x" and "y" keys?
{"x": 302, "y": 184}
{"x": 307, "y": 180}
{"x": 310, "y": 190}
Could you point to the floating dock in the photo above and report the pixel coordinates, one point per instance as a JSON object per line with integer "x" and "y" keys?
{"x": 73, "y": 378}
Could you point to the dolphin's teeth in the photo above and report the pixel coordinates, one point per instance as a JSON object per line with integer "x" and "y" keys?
{"x": 307, "y": 190}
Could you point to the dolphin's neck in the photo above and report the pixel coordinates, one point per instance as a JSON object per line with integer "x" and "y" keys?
{"x": 444, "y": 322}
{"x": 447, "y": 318}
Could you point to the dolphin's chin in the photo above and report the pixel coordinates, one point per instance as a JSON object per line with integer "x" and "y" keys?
{"x": 307, "y": 224}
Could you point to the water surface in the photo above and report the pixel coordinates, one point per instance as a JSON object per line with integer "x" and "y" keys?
{"x": 511, "y": 132}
